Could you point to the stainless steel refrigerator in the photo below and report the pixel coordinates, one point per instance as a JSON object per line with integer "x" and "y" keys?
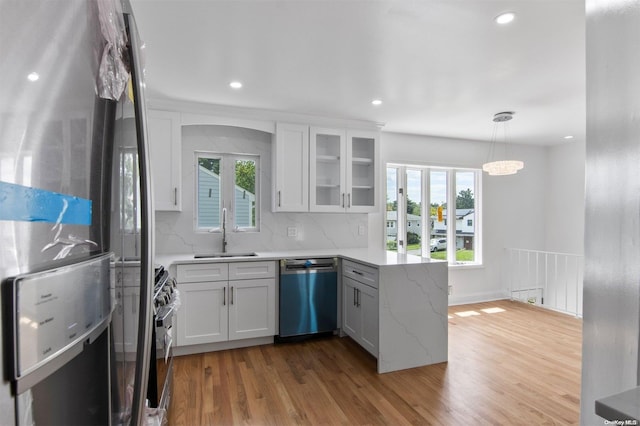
{"x": 76, "y": 215}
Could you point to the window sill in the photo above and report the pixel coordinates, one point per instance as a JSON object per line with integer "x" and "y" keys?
{"x": 466, "y": 266}
{"x": 229, "y": 231}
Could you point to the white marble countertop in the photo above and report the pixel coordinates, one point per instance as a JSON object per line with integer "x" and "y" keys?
{"x": 411, "y": 300}
{"x": 373, "y": 257}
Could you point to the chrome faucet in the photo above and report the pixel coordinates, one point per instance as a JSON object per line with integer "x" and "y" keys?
{"x": 224, "y": 229}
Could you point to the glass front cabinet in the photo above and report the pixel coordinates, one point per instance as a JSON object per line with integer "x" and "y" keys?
{"x": 342, "y": 170}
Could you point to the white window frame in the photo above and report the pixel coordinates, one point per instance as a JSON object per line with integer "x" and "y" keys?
{"x": 450, "y": 219}
{"x": 227, "y": 191}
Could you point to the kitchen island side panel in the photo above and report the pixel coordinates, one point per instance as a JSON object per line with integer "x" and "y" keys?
{"x": 413, "y": 300}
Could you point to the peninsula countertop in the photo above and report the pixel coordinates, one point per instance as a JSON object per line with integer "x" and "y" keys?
{"x": 369, "y": 256}
{"x": 411, "y": 298}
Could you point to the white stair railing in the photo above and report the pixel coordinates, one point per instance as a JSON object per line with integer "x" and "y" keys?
{"x": 548, "y": 279}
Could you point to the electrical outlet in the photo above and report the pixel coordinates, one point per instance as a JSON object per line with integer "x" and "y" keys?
{"x": 450, "y": 290}
{"x": 292, "y": 231}
{"x": 361, "y": 229}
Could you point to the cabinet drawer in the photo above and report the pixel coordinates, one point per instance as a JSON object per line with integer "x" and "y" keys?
{"x": 365, "y": 274}
{"x": 252, "y": 270}
{"x": 201, "y": 272}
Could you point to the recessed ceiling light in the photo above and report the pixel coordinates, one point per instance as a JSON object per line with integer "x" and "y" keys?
{"x": 568, "y": 137}
{"x": 235, "y": 85}
{"x": 376, "y": 102}
{"x": 505, "y": 18}
{"x": 34, "y": 76}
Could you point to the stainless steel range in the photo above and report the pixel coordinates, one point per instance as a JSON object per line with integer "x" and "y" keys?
{"x": 166, "y": 303}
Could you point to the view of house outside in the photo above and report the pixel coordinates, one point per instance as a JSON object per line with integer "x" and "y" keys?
{"x": 436, "y": 222}
{"x": 210, "y": 190}
{"x": 465, "y": 220}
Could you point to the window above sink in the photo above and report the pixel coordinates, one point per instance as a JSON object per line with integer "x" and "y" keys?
{"x": 227, "y": 181}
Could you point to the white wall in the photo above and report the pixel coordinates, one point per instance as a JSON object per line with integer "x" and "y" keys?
{"x": 513, "y": 207}
{"x": 175, "y": 230}
{"x": 611, "y": 338}
{"x": 564, "y": 206}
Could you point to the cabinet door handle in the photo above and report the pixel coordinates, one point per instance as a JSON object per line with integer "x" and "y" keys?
{"x": 357, "y": 272}
{"x": 224, "y": 296}
{"x": 358, "y": 305}
{"x": 175, "y": 196}
{"x": 349, "y": 199}
{"x": 343, "y": 199}
{"x": 354, "y": 296}
{"x": 279, "y": 199}
{"x": 232, "y": 295}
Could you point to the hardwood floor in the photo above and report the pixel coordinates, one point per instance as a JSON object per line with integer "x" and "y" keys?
{"x": 518, "y": 365}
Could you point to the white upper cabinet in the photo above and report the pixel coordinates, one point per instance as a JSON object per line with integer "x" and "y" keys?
{"x": 362, "y": 171}
{"x": 327, "y": 155}
{"x": 165, "y": 149}
{"x": 343, "y": 170}
{"x": 291, "y": 168}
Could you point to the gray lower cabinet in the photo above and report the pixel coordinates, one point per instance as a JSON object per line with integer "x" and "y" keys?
{"x": 360, "y": 305}
{"x": 225, "y": 301}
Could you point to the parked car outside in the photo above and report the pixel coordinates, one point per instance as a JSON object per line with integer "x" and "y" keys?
{"x": 438, "y": 244}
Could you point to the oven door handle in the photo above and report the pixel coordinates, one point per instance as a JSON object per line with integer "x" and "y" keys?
{"x": 160, "y": 320}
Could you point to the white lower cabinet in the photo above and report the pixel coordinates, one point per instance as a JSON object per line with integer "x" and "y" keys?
{"x": 203, "y": 316}
{"x": 252, "y": 308}
{"x": 352, "y": 316}
{"x": 360, "y": 306}
{"x": 218, "y": 308}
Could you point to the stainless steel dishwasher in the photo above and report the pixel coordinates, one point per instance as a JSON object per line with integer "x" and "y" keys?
{"x": 308, "y": 297}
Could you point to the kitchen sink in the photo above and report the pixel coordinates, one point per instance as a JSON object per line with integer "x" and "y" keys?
{"x": 218, "y": 255}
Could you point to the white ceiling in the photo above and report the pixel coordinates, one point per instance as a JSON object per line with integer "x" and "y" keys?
{"x": 441, "y": 68}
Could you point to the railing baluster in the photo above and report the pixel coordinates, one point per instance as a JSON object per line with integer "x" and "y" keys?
{"x": 523, "y": 281}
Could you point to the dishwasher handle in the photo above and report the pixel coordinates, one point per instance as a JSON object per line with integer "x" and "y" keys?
{"x": 307, "y": 266}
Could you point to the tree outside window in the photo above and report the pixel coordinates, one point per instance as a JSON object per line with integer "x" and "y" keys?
{"x": 227, "y": 181}
{"x": 452, "y": 235}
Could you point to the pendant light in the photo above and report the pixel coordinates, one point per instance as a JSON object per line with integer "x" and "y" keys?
{"x": 501, "y": 167}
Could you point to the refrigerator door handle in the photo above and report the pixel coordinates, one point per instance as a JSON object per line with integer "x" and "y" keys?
{"x": 143, "y": 347}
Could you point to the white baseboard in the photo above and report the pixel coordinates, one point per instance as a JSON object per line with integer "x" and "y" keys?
{"x": 476, "y": 298}
{"x": 221, "y": 346}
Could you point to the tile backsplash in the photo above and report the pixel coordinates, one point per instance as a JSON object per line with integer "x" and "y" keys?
{"x": 175, "y": 231}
